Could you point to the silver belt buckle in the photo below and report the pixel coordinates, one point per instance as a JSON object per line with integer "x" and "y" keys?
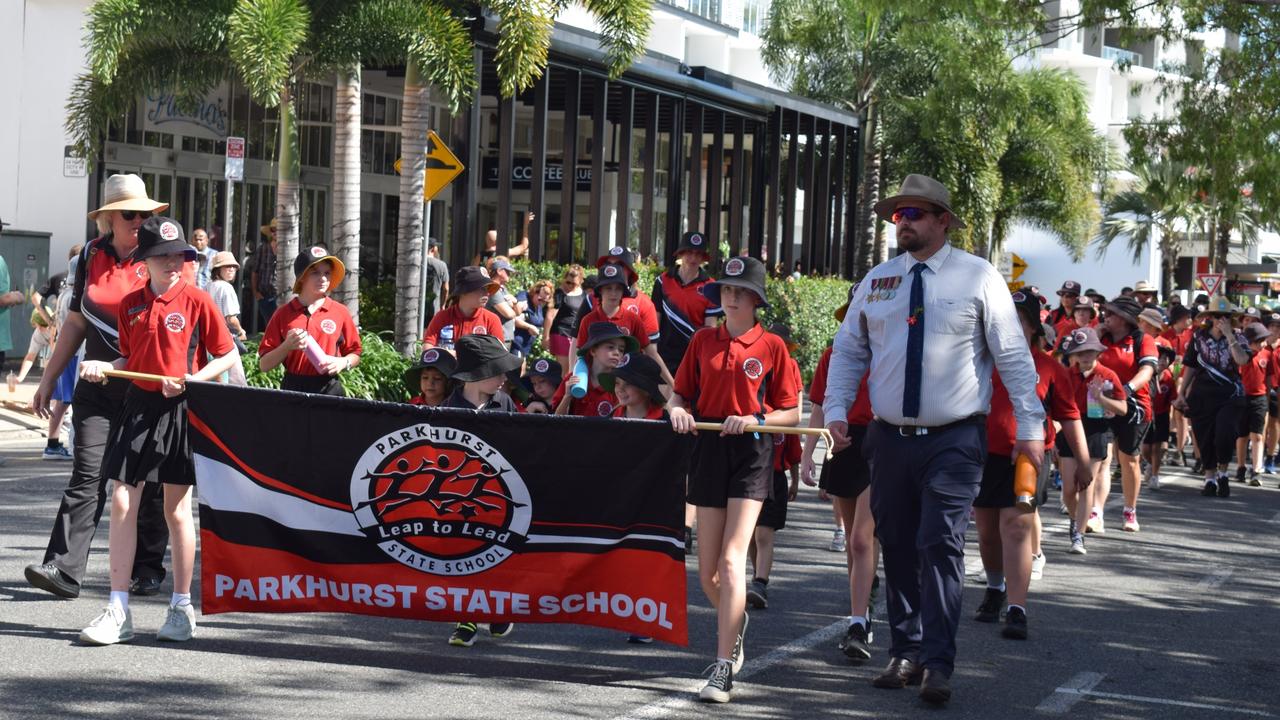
{"x": 912, "y": 431}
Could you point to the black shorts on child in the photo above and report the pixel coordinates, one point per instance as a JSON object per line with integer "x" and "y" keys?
{"x": 1254, "y": 418}
{"x": 773, "y": 514}
{"x": 846, "y": 474}
{"x": 734, "y": 466}
{"x": 148, "y": 444}
{"x": 1097, "y": 436}
{"x": 1159, "y": 431}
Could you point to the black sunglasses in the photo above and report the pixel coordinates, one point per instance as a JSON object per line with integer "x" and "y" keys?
{"x": 910, "y": 213}
{"x": 131, "y": 214}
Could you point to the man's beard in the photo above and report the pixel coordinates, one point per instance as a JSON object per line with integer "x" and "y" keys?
{"x": 911, "y": 241}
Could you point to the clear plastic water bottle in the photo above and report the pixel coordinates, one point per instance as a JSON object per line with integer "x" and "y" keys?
{"x": 1094, "y": 410}
{"x": 446, "y": 337}
{"x": 12, "y": 379}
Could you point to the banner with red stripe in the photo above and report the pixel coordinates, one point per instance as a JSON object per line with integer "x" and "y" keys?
{"x": 311, "y": 503}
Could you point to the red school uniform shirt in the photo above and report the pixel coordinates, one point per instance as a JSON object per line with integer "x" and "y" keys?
{"x": 102, "y": 280}
{"x": 1080, "y": 386}
{"x": 786, "y": 452}
{"x": 630, "y": 323}
{"x": 1124, "y": 360}
{"x": 723, "y": 375}
{"x": 1056, "y": 392}
{"x": 683, "y": 311}
{"x": 1177, "y": 340}
{"x": 169, "y": 334}
{"x": 598, "y": 402}
{"x": 448, "y": 325}
{"x": 1166, "y": 389}
{"x": 642, "y": 306}
{"x": 1253, "y": 374}
{"x": 860, "y": 413}
{"x": 331, "y": 326}
{"x": 656, "y": 412}
{"x": 1273, "y": 368}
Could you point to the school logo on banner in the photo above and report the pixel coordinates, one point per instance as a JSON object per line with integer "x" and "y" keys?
{"x": 440, "y": 500}
{"x": 174, "y": 322}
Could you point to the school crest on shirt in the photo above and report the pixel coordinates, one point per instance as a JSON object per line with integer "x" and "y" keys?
{"x": 479, "y": 330}
{"x": 328, "y": 326}
{"x": 885, "y": 288}
{"x": 753, "y": 368}
{"x": 175, "y": 322}
{"x": 604, "y": 409}
{"x": 140, "y": 270}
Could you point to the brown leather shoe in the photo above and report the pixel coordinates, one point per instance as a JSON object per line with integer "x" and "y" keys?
{"x": 935, "y": 688}
{"x": 900, "y": 673}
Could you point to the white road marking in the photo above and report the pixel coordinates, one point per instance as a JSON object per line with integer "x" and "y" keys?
{"x": 1069, "y": 694}
{"x": 1215, "y": 579}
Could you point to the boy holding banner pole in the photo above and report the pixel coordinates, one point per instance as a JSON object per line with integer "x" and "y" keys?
{"x": 730, "y": 374}
{"x": 157, "y": 325}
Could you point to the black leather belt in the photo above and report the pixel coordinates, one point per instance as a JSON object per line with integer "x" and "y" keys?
{"x": 917, "y": 430}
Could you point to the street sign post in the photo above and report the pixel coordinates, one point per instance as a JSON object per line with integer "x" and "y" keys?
{"x": 1212, "y": 282}
{"x": 235, "y": 159}
{"x": 72, "y": 164}
{"x": 442, "y": 167}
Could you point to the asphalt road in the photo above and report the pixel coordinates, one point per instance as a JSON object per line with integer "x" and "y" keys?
{"x": 1178, "y": 621}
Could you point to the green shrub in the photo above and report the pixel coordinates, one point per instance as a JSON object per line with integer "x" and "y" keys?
{"x": 379, "y": 376}
{"x": 377, "y": 305}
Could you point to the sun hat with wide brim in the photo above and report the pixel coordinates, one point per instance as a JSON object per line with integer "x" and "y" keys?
{"x": 224, "y": 259}
{"x": 470, "y": 279}
{"x": 1082, "y": 339}
{"x": 1125, "y": 307}
{"x": 437, "y": 358}
{"x": 481, "y": 357}
{"x": 600, "y": 332}
{"x": 1142, "y": 286}
{"x": 1154, "y": 318}
{"x": 127, "y": 192}
{"x": 1220, "y": 306}
{"x": 268, "y": 230}
{"x": 159, "y": 236}
{"x": 743, "y": 272}
{"x": 640, "y": 370}
{"x": 311, "y": 257}
{"x": 920, "y": 188}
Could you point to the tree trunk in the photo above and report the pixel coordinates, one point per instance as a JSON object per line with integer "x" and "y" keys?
{"x": 287, "y": 198}
{"x": 868, "y": 194}
{"x": 1169, "y": 252}
{"x": 1223, "y": 246}
{"x": 344, "y": 237}
{"x": 879, "y": 247}
{"x": 413, "y": 145}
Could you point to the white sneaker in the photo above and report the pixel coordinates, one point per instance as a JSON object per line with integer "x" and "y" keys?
{"x": 179, "y": 624}
{"x": 1062, "y": 509}
{"x": 1037, "y": 566}
{"x": 1153, "y": 482}
{"x": 112, "y": 626}
{"x": 837, "y": 541}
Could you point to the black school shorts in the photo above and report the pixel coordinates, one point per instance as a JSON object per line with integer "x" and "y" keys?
{"x": 734, "y": 466}
{"x": 1254, "y": 418}
{"x": 1128, "y": 436}
{"x": 847, "y": 474}
{"x": 773, "y": 514}
{"x": 1097, "y": 436}
{"x": 1159, "y": 431}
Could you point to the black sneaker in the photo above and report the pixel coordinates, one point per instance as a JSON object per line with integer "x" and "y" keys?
{"x": 464, "y": 635}
{"x": 758, "y": 595}
{"x": 1210, "y": 488}
{"x": 992, "y": 604}
{"x": 856, "y": 644}
{"x": 1253, "y": 479}
{"x": 500, "y": 630}
{"x": 144, "y": 586}
{"x": 1015, "y": 624}
{"x": 1241, "y": 472}
{"x": 719, "y": 682}
{"x": 1198, "y": 467}
{"x": 1224, "y": 487}
{"x": 875, "y": 586}
{"x": 739, "y": 653}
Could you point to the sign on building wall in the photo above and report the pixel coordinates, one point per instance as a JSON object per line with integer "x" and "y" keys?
{"x": 522, "y": 174}
{"x": 73, "y": 166}
{"x": 208, "y": 119}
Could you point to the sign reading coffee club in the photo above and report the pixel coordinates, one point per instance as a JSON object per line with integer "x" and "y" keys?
{"x": 436, "y": 514}
{"x": 522, "y": 174}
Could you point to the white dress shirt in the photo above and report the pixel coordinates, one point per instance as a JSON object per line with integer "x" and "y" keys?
{"x": 969, "y": 324}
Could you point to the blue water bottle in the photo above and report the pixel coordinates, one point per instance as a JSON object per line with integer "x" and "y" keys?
{"x": 580, "y": 377}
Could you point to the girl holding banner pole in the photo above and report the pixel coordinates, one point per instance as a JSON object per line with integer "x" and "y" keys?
{"x": 158, "y": 324}
{"x": 732, "y": 374}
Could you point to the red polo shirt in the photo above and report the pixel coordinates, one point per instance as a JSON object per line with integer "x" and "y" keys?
{"x": 1253, "y": 374}
{"x": 170, "y": 334}
{"x": 1273, "y": 369}
{"x": 1055, "y": 390}
{"x": 630, "y": 323}
{"x": 1080, "y": 386}
{"x": 786, "y": 452}
{"x": 642, "y": 305}
{"x": 1124, "y": 359}
{"x": 1162, "y": 403}
{"x": 1177, "y": 340}
{"x": 448, "y": 325}
{"x": 860, "y": 413}
{"x": 598, "y": 402}
{"x": 656, "y": 412}
{"x": 330, "y": 325}
{"x": 723, "y": 376}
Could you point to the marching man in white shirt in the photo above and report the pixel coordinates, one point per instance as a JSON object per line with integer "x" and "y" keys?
{"x": 931, "y": 324}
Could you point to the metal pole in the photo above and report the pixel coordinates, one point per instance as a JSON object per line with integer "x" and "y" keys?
{"x": 422, "y": 286}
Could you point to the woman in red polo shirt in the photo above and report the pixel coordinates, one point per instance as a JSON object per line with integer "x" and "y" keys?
{"x": 158, "y": 325}
{"x": 729, "y": 375}
{"x": 465, "y": 313}
{"x": 313, "y": 335}
{"x": 1130, "y": 354}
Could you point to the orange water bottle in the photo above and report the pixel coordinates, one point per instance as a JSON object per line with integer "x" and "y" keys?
{"x": 1025, "y": 477}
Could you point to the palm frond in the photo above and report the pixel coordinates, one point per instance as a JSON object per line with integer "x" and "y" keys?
{"x": 264, "y": 38}
{"x": 524, "y": 39}
{"x": 624, "y": 25}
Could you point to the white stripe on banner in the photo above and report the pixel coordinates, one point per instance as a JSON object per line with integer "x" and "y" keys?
{"x": 225, "y": 488}
{"x": 566, "y": 540}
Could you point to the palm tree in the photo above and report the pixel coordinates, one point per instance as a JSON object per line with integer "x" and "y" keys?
{"x": 1161, "y": 202}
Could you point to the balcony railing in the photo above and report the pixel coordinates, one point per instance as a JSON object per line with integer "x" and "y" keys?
{"x": 1121, "y": 55}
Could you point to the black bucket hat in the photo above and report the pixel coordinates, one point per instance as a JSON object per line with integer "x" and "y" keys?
{"x": 1256, "y": 332}
{"x": 620, "y": 256}
{"x": 599, "y": 332}
{"x": 613, "y": 274}
{"x": 640, "y": 370}
{"x": 743, "y": 272}
{"x": 159, "y": 235}
{"x": 430, "y": 358}
{"x": 309, "y": 258}
{"x": 1028, "y": 306}
{"x": 471, "y": 278}
{"x": 693, "y": 241}
{"x": 549, "y": 369}
{"x": 1126, "y": 307}
{"x": 481, "y": 357}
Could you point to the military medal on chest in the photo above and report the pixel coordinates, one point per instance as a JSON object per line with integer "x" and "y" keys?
{"x": 885, "y": 288}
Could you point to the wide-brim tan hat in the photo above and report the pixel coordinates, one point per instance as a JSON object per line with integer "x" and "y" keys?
{"x": 224, "y": 259}
{"x": 924, "y": 189}
{"x": 1142, "y": 286}
{"x": 269, "y": 229}
{"x": 127, "y": 192}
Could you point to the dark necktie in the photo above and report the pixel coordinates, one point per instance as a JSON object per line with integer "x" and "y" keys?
{"x": 915, "y": 345}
